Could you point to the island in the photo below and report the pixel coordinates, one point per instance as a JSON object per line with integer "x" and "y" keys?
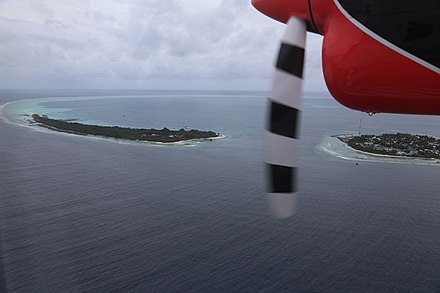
{"x": 397, "y": 145}
{"x": 164, "y": 135}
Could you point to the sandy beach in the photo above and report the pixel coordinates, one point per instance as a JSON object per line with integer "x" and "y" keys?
{"x": 335, "y": 147}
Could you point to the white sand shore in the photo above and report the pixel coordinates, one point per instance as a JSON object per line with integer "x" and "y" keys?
{"x": 386, "y": 156}
{"x": 187, "y": 142}
{"x": 335, "y": 147}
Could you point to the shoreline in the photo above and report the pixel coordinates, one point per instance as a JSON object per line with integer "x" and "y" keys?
{"x": 403, "y": 157}
{"x": 180, "y": 142}
{"x": 395, "y": 158}
{"x": 188, "y": 141}
{"x": 389, "y": 156}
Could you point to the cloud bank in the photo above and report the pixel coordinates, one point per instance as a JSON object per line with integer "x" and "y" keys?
{"x": 150, "y": 44}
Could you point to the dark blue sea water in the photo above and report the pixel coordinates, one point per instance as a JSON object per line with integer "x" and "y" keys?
{"x": 81, "y": 214}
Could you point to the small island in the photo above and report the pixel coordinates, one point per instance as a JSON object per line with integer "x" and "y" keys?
{"x": 397, "y": 145}
{"x": 164, "y": 135}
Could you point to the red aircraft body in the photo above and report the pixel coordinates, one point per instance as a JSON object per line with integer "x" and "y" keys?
{"x": 378, "y": 56}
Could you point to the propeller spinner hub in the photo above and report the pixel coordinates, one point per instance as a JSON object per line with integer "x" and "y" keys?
{"x": 282, "y": 10}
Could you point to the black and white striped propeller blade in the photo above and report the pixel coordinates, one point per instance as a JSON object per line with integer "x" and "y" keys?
{"x": 283, "y": 125}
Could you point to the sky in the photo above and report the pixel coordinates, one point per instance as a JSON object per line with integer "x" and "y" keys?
{"x": 143, "y": 44}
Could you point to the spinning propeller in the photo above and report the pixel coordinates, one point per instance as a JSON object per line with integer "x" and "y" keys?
{"x": 282, "y": 131}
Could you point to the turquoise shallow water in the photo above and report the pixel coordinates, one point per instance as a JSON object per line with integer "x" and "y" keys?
{"x": 129, "y": 111}
{"x": 79, "y": 214}
{"x": 134, "y": 111}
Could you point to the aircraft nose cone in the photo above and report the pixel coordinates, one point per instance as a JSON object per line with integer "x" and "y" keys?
{"x": 282, "y": 10}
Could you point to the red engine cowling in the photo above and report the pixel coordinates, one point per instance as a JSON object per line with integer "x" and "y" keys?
{"x": 377, "y": 57}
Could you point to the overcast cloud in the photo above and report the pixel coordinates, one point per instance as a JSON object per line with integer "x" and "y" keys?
{"x": 150, "y": 44}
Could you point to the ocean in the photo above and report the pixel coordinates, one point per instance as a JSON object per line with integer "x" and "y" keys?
{"x": 84, "y": 214}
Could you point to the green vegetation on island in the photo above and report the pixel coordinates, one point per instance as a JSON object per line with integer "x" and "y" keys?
{"x": 164, "y": 135}
{"x": 398, "y": 144}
